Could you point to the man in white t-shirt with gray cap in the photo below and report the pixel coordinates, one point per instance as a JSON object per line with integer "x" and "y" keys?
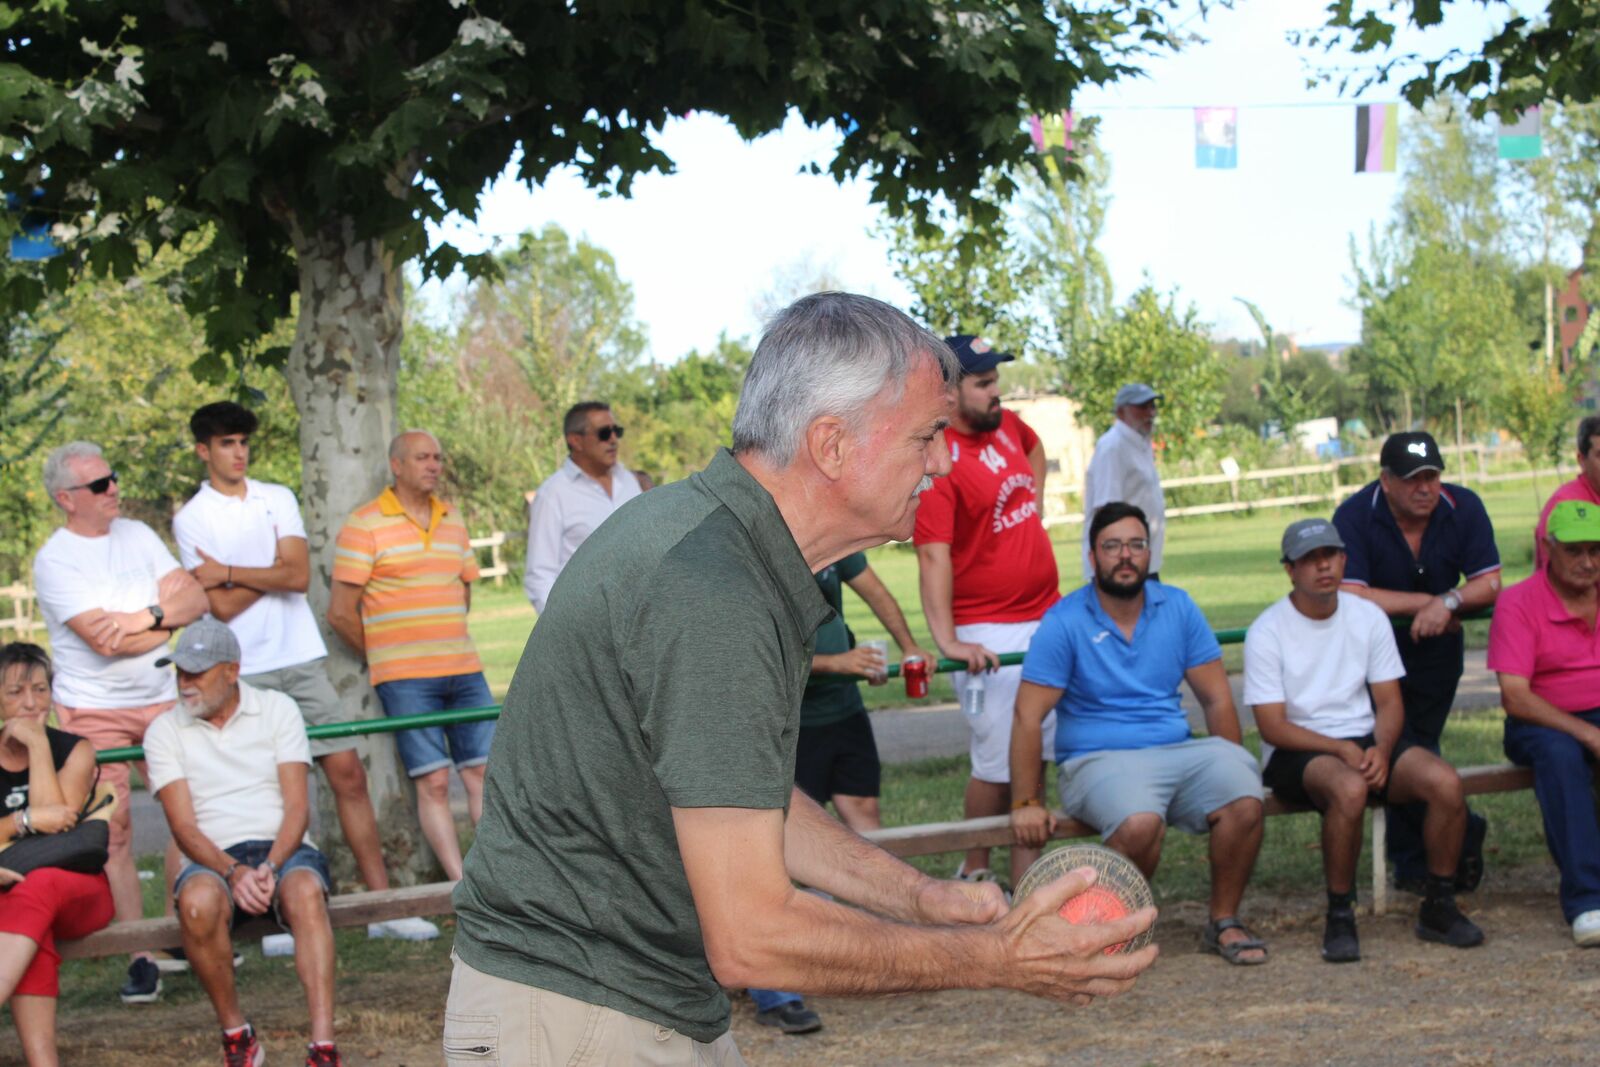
{"x": 1124, "y": 468}
{"x": 1310, "y": 662}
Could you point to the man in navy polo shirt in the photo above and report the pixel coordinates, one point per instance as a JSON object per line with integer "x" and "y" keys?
{"x": 1108, "y": 660}
{"x": 1410, "y": 538}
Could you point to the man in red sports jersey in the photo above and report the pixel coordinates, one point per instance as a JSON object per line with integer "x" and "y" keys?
{"x": 988, "y": 574}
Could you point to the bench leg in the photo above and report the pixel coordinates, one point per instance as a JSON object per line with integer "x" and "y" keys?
{"x": 1380, "y": 863}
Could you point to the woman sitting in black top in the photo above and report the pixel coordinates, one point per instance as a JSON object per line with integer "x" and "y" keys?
{"x": 45, "y": 776}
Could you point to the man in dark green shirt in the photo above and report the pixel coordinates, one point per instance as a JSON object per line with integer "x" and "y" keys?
{"x": 640, "y": 840}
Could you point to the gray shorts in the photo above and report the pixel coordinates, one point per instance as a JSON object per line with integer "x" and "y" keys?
{"x": 1183, "y": 783}
{"x": 308, "y": 686}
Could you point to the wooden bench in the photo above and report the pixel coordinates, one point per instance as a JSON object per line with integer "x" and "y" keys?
{"x": 358, "y": 909}
{"x": 346, "y": 909}
{"x": 932, "y": 838}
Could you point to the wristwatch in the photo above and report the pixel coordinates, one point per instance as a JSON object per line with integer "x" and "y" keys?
{"x": 1452, "y": 600}
{"x": 156, "y": 616}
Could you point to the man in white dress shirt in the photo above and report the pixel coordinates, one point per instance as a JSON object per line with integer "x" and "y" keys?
{"x": 578, "y": 497}
{"x": 1124, "y": 468}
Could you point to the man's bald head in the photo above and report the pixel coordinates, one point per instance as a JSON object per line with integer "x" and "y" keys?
{"x": 417, "y": 460}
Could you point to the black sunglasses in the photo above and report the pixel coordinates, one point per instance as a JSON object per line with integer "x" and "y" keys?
{"x": 98, "y": 486}
{"x": 606, "y": 433}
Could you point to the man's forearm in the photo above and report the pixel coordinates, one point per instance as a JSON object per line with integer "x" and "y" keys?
{"x": 1532, "y": 708}
{"x": 887, "y": 609}
{"x": 350, "y": 630}
{"x": 937, "y": 587}
{"x": 1480, "y": 592}
{"x": 229, "y": 604}
{"x": 1279, "y": 732}
{"x": 200, "y": 848}
{"x": 281, "y": 578}
{"x": 1392, "y": 601}
{"x": 824, "y": 854}
{"x": 816, "y": 946}
{"x": 1222, "y": 720}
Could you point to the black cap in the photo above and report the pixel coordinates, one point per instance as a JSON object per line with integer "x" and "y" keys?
{"x": 1404, "y": 454}
{"x": 976, "y": 354}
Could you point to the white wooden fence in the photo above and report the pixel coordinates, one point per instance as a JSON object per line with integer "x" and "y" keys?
{"x": 1478, "y": 473}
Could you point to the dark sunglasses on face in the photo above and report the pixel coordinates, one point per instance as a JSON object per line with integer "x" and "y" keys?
{"x": 605, "y": 433}
{"x": 98, "y": 486}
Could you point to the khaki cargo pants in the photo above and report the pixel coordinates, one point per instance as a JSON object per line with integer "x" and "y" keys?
{"x": 489, "y": 1020}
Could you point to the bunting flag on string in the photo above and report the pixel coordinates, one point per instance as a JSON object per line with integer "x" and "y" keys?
{"x": 1216, "y": 138}
{"x": 33, "y": 241}
{"x": 1522, "y": 139}
{"x": 1051, "y": 131}
{"x": 1377, "y": 137}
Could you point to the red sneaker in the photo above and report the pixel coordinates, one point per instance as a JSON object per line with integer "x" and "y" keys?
{"x": 323, "y": 1056}
{"x": 242, "y": 1049}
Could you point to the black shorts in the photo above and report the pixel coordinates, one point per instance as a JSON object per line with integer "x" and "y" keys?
{"x": 1285, "y": 772}
{"x": 839, "y": 759}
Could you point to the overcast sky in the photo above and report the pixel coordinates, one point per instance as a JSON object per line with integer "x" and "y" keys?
{"x": 702, "y": 245}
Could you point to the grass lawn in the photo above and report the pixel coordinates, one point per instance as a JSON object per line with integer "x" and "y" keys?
{"x": 1228, "y": 563}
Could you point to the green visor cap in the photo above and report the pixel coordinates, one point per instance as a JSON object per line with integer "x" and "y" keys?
{"x": 1574, "y": 521}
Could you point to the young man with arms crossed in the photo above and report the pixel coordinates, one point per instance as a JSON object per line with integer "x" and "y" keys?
{"x": 245, "y": 543}
{"x": 1309, "y": 663}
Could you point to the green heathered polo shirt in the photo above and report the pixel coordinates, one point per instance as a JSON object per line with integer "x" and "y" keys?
{"x": 666, "y": 670}
{"x": 834, "y": 699}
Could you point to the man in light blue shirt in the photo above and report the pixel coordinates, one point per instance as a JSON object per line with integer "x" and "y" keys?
{"x": 1109, "y": 659}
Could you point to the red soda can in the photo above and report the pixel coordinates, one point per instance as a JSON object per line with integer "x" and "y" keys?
{"x": 915, "y": 671}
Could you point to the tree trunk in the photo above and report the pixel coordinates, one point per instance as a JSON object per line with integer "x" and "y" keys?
{"x": 342, "y": 371}
{"x": 1461, "y": 448}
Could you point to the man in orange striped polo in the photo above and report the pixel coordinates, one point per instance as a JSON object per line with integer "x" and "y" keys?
{"x": 401, "y": 573}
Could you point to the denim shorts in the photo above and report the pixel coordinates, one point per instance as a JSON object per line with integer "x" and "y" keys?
{"x": 466, "y": 744}
{"x": 254, "y": 854}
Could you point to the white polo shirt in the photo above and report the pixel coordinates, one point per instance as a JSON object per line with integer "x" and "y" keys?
{"x": 121, "y": 571}
{"x": 568, "y": 507}
{"x": 233, "y": 771}
{"x": 1124, "y": 469}
{"x": 278, "y": 630}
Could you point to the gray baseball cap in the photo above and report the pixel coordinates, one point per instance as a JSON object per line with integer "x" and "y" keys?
{"x": 202, "y": 646}
{"x": 1308, "y": 535}
{"x": 1136, "y": 393}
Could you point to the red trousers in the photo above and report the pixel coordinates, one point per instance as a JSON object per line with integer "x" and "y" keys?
{"x": 48, "y": 904}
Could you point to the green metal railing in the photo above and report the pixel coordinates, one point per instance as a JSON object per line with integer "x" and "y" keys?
{"x": 448, "y": 718}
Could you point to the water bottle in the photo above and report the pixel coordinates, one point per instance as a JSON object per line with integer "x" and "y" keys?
{"x": 972, "y": 697}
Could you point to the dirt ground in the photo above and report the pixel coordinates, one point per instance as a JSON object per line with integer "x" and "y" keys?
{"x": 1526, "y": 997}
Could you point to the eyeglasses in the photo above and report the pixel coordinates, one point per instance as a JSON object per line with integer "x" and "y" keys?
{"x": 98, "y": 486}
{"x": 1134, "y": 545}
{"x": 606, "y": 433}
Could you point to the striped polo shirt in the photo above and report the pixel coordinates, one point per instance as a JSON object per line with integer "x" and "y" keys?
{"x": 413, "y": 602}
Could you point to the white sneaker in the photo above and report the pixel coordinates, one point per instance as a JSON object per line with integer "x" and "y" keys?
{"x": 277, "y": 945}
{"x": 1586, "y": 929}
{"x": 408, "y": 929}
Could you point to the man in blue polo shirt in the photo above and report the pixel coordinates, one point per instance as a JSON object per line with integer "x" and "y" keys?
{"x": 1109, "y": 659}
{"x": 1409, "y": 539}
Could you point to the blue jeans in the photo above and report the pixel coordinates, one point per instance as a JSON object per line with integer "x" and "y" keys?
{"x": 767, "y": 999}
{"x": 1563, "y": 780}
{"x": 428, "y": 749}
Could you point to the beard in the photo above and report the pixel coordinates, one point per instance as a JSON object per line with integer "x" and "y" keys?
{"x": 984, "y": 421}
{"x": 1106, "y": 582}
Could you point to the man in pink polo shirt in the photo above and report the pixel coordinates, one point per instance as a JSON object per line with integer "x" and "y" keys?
{"x": 1585, "y": 487}
{"x": 1544, "y": 645}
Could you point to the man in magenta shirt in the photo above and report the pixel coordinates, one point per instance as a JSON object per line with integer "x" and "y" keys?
{"x": 987, "y": 573}
{"x": 1544, "y": 645}
{"x": 1585, "y": 487}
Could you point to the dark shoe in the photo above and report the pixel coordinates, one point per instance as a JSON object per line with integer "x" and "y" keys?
{"x": 1339, "y": 941}
{"x": 1469, "y": 871}
{"x": 792, "y": 1018}
{"x": 242, "y": 1049}
{"x": 1442, "y": 922}
{"x": 144, "y": 982}
{"x": 323, "y": 1056}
